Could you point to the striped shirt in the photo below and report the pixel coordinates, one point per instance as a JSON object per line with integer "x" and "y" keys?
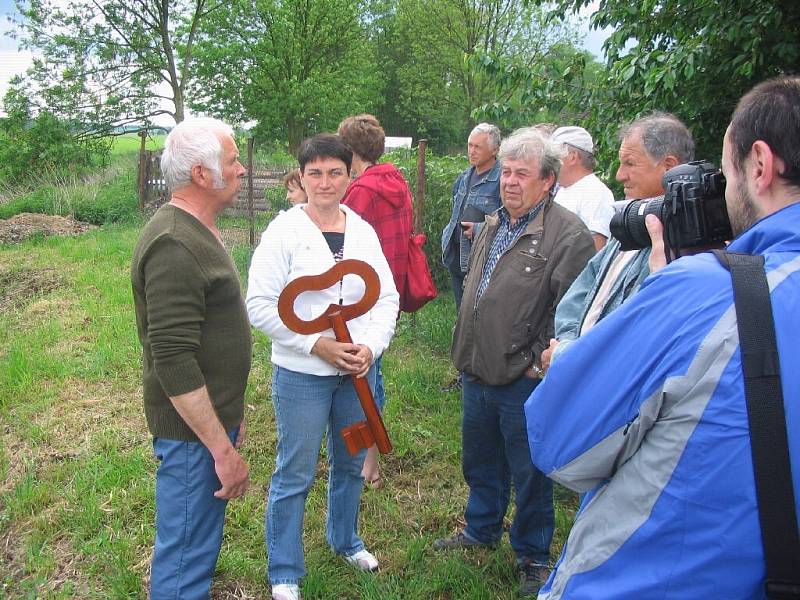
{"x": 507, "y": 233}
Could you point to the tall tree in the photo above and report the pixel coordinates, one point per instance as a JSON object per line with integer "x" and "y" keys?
{"x": 295, "y": 66}
{"x": 105, "y": 63}
{"x": 442, "y": 81}
{"x": 695, "y": 58}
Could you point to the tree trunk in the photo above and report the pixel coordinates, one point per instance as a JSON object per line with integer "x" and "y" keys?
{"x": 296, "y": 132}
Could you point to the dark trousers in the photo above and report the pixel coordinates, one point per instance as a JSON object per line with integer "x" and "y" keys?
{"x": 495, "y": 454}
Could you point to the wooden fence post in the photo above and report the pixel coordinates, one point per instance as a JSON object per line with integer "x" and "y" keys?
{"x": 419, "y": 206}
{"x": 142, "y": 170}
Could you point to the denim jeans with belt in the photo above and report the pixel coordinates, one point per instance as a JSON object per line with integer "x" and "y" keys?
{"x": 305, "y": 407}
{"x": 495, "y": 454}
{"x": 189, "y": 520}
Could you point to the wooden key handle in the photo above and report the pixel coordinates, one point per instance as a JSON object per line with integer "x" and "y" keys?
{"x": 364, "y": 433}
{"x": 323, "y": 281}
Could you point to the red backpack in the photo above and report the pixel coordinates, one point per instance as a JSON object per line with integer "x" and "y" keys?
{"x": 419, "y": 289}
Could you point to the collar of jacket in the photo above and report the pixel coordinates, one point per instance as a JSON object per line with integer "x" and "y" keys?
{"x": 492, "y": 175}
{"x": 535, "y": 226}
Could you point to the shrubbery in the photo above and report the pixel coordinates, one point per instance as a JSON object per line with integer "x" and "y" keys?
{"x": 111, "y": 201}
{"x": 31, "y": 146}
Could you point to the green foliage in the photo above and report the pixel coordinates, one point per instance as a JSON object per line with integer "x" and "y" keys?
{"x": 443, "y": 89}
{"x": 546, "y": 91}
{"x": 112, "y": 199}
{"x": 33, "y": 145}
{"x": 694, "y": 58}
{"x": 296, "y": 66}
{"x": 99, "y": 63}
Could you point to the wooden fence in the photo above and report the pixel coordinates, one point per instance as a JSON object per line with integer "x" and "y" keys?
{"x": 261, "y": 191}
{"x": 263, "y": 180}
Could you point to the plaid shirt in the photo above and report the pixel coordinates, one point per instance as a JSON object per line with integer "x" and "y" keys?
{"x": 504, "y": 238}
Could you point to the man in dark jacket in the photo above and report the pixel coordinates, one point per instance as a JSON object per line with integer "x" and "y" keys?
{"x": 522, "y": 261}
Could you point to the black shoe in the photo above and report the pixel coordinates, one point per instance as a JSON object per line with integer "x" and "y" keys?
{"x": 453, "y": 386}
{"x": 459, "y": 540}
{"x": 532, "y": 576}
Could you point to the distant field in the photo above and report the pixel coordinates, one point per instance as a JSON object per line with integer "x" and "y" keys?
{"x": 130, "y": 142}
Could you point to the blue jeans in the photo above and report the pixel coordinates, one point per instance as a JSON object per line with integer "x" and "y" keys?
{"x": 495, "y": 453}
{"x": 305, "y": 407}
{"x": 457, "y": 281}
{"x": 189, "y": 520}
{"x": 379, "y": 391}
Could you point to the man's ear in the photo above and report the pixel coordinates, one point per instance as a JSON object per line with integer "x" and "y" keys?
{"x": 552, "y": 179}
{"x": 763, "y": 166}
{"x": 670, "y": 161}
{"x": 199, "y": 176}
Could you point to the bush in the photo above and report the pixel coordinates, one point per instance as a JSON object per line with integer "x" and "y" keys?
{"x": 30, "y": 147}
{"x": 114, "y": 201}
{"x": 111, "y": 199}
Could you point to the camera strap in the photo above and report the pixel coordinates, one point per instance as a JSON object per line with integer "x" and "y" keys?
{"x": 767, "y": 420}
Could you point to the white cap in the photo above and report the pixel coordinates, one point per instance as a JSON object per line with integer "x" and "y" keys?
{"x": 577, "y": 137}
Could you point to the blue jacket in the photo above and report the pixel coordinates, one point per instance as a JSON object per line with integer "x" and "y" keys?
{"x": 484, "y": 196}
{"x": 646, "y": 413}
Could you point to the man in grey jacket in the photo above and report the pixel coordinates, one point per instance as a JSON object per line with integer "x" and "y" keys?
{"x": 522, "y": 262}
{"x": 649, "y": 147}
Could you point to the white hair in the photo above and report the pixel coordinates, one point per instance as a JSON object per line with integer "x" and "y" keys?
{"x": 529, "y": 143}
{"x": 196, "y": 141}
{"x": 492, "y": 130}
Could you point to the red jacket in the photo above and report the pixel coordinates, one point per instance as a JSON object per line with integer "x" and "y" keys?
{"x": 381, "y": 197}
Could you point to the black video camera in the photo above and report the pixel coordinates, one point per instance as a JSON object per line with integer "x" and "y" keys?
{"x": 692, "y": 211}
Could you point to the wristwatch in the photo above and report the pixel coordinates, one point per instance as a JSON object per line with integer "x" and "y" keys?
{"x": 536, "y": 371}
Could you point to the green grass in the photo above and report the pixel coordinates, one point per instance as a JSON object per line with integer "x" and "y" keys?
{"x": 76, "y": 464}
{"x": 109, "y": 197}
{"x": 131, "y": 143}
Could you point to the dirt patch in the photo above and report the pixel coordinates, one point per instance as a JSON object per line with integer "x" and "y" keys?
{"x": 18, "y": 286}
{"x": 24, "y": 225}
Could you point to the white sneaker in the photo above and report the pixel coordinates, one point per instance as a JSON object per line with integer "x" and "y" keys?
{"x": 364, "y": 560}
{"x": 286, "y": 591}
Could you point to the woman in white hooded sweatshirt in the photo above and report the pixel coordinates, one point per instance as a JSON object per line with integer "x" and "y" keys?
{"x": 312, "y": 391}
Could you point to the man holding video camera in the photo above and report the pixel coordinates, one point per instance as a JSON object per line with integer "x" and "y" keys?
{"x": 649, "y": 147}
{"x": 647, "y": 413}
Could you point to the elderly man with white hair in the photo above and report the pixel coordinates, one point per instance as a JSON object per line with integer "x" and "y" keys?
{"x": 476, "y": 193}
{"x": 522, "y": 262}
{"x": 196, "y": 342}
{"x": 581, "y": 191}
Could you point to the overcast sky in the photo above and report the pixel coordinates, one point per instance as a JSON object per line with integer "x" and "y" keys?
{"x": 13, "y": 61}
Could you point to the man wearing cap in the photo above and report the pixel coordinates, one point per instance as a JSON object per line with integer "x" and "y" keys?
{"x": 581, "y": 190}
{"x": 650, "y": 146}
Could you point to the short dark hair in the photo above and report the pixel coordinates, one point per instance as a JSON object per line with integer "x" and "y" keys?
{"x": 662, "y": 134}
{"x": 324, "y": 145}
{"x": 364, "y": 135}
{"x": 770, "y": 112}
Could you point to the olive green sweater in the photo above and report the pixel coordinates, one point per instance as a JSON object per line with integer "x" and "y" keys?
{"x": 191, "y": 320}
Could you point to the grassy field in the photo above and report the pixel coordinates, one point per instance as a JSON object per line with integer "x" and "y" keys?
{"x": 76, "y": 464}
{"x": 130, "y": 143}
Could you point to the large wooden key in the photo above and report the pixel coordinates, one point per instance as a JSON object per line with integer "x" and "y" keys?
{"x": 364, "y": 433}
